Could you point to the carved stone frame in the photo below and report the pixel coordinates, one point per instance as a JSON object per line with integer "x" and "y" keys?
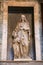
{"x": 36, "y": 6}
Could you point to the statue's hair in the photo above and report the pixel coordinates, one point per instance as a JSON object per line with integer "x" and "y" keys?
{"x": 25, "y": 20}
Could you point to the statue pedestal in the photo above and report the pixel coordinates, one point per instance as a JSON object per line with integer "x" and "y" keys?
{"x": 22, "y": 59}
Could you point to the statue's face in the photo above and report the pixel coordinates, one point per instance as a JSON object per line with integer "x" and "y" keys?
{"x": 22, "y": 17}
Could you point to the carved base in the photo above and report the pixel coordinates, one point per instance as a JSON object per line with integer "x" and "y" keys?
{"x": 22, "y": 59}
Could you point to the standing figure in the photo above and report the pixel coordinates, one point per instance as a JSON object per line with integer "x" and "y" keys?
{"x": 22, "y": 38}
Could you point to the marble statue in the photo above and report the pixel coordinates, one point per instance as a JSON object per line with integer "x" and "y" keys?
{"x": 21, "y": 41}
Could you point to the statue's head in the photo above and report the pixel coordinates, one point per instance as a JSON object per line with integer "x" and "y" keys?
{"x": 23, "y": 17}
